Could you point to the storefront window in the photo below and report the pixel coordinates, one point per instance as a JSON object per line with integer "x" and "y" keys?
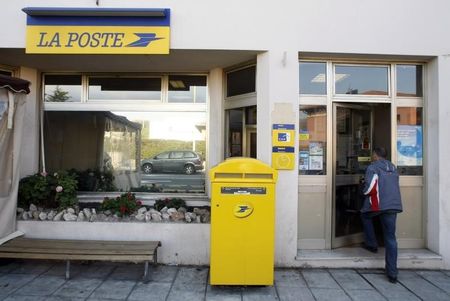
{"x": 161, "y": 152}
{"x": 125, "y": 88}
{"x": 241, "y": 81}
{"x": 62, "y": 88}
{"x": 409, "y": 141}
{"x": 313, "y": 78}
{"x": 313, "y": 140}
{"x": 409, "y": 80}
{"x": 361, "y": 80}
{"x": 187, "y": 89}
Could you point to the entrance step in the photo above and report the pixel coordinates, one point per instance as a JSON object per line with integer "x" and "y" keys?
{"x": 361, "y": 258}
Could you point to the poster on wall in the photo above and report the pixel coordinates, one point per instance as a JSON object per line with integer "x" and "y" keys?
{"x": 315, "y": 149}
{"x": 303, "y": 158}
{"x": 409, "y": 145}
{"x": 315, "y": 162}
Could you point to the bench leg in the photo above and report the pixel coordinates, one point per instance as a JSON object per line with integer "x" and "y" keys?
{"x": 146, "y": 274}
{"x": 67, "y": 269}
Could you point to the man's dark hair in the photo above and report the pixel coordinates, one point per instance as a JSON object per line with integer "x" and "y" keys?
{"x": 380, "y": 152}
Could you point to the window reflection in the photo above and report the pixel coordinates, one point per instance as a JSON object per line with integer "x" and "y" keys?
{"x": 409, "y": 141}
{"x": 185, "y": 89}
{"x": 62, "y": 88}
{"x": 313, "y": 140}
{"x": 241, "y": 81}
{"x": 409, "y": 80}
{"x": 361, "y": 80}
{"x": 124, "y": 88}
{"x": 313, "y": 79}
{"x": 138, "y": 151}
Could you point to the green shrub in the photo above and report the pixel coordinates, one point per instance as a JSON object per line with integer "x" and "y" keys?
{"x": 169, "y": 203}
{"x": 123, "y": 205}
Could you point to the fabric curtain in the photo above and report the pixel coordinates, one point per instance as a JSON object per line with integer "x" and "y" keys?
{"x": 11, "y": 128}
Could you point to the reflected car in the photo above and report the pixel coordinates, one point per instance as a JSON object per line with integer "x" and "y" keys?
{"x": 187, "y": 162}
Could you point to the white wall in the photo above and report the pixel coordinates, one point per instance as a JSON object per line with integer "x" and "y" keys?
{"x": 346, "y": 26}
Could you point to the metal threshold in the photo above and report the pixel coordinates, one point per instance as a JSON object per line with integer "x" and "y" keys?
{"x": 360, "y": 258}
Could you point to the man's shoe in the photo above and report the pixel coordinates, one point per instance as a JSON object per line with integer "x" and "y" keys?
{"x": 369, "y": 248}
{"x": 392, "y": 279}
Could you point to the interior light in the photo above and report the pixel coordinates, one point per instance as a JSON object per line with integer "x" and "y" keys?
{"x": 320, "y": 78}
{"x": 177, "y": 84}
{"x": 340, "y": 76}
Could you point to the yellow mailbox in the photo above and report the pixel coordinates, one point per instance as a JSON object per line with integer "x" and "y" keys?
{"x": 242, "y": 222}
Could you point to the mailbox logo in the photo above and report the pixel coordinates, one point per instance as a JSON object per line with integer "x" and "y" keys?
{"x": 243, "y": 210}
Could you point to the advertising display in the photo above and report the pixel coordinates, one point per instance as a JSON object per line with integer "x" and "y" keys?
{"x": 409, "y": 145}
{"x": 283, "y": 146}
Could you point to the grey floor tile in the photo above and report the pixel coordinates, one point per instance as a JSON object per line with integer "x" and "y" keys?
{"x": 291, "y": 278}
{"x": 6, "y": 268}
{"x": 42, "y": 286}
{"x": 288, "y": 293}
{"x": 223, "y": 293}
{"x": 150, "y": 291}
{"x": 95, "y": 270}
{"x": 11, "y": 282}
{"x": 187, "y": 292}
{"x": 60, "y": 298}
{"x": 128, "y": 272}
{"x": 365, "y": 295}
{"x": 319, "y": 279}
{"x": 389, "y": 290}
{"x": 32, "y": 267}
{"x": 78, "y": 288}
{"x": 370, "y": 271}
{"x": 25, "y": 298}
{"x": 192, "y": 275}
{"x": 113, "y": 289}
{"x": 266, "y": 293}
{"x": 422, "y": 288}
{"x": 59, "y": 269}
{"x": 350, "y": 280}
{"x": 163, "y": 273}
{"x": 325, "y": 294}
{"x": 437, "y": 278}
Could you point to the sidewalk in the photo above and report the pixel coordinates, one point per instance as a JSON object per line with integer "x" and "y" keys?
{"x": 40, "y": 280}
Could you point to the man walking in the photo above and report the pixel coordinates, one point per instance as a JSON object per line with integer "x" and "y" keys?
{"x": 382, "y": 198}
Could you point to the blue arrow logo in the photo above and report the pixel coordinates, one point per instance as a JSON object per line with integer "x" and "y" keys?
{"x": 144, "y": 40}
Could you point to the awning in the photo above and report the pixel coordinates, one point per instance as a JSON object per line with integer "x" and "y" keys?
{"x": 14, "y": 84}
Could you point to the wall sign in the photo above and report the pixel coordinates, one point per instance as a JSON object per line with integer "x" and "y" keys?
{"x": 97, "y": 31}
{"x": 283, "y": 146}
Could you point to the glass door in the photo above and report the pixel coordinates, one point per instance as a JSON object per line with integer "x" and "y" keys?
{"x": 352, "y": 144}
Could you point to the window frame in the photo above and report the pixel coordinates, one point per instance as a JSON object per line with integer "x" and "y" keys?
{"x": 327, "y": 84}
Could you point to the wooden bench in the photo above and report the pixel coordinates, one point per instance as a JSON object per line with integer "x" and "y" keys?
{"x": 68, "y": 250}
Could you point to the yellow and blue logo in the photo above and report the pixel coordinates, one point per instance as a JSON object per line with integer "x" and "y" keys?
{"x": 243, "y": 210}
{"x": 105, "y": 34}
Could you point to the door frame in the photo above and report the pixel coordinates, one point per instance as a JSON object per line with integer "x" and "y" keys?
{"x": 337, "y": 242}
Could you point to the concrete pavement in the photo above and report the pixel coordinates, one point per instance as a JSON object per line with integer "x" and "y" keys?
{"x": 41, "y": 280}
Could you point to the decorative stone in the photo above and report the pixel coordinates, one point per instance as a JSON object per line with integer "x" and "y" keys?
{"x": 35, "y": 214}
{"x": 107, "y": 212}
{"x": 25, "y": 215}
{"x": 140, "y": 217}
{"x": 198, "y": 219}
{"x": 20, "y": 210}
{"x": 93, "y": 218}
{"x": 154, "y": 211}
{"x": 142, "y": 210}
{"x": 93, "y": 211}
{"x": 51, "y": 215}
{"x": 164, "y": 210}
{"x": 33, "y": 207}
{"x": 71, "y": 210}
{"x": 171, "y": 211}
{"x": 190, "y": 217}
{"x": 87, "y": 213}
{"x": 156, "y": 217}
{"x": 42, "y": 216}
{"x": 177, "y": 216}
{"x": 206, "y": 218}
{"x": 59, "y": 216}
{"x": 165, "y": 216}
{"x": 80, "y": 217}
{"x": 101, "y": 217}
{"x": 148, "y": 216}
{"x": 70, "y": 217}
{"x": 199, "y": 211}
{"x": 182, "y": 209}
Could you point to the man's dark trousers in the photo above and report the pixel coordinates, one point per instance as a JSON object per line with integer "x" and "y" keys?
{"x": 388, "y": 220}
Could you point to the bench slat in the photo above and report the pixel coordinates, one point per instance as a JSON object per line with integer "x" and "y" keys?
{"x": 129, "y": 258}
{"x": 76, "y": 250}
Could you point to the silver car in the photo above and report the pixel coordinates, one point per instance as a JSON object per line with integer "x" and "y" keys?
{"x": 187, "y": 162}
